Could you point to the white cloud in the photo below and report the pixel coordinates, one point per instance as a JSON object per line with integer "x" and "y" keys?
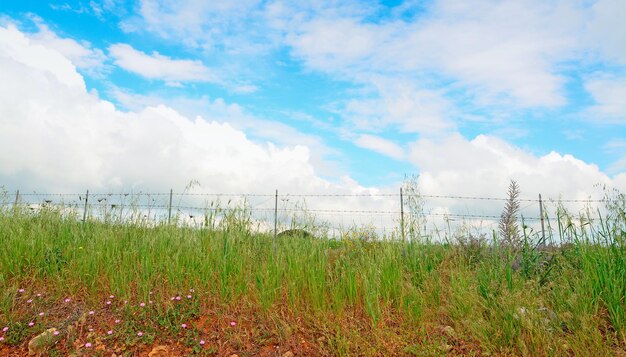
{"x": 608, "y": 93}
{"x": 380, "y": 145}
{"x": 157, "y": 66}
{"x": 55, "y": 136}
{"x": 606, "y": 29}
{"x": 81, "y": 54}
{"x": 483, "y": 166}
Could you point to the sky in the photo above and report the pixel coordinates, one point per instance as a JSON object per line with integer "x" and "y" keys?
{"x": 308, "y": 97}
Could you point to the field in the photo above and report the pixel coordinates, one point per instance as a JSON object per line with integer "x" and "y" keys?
{"x": 127, "y": 288}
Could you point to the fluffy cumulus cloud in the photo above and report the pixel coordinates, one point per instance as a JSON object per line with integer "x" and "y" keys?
{"x": 56, "y": 136}
{"x": 454, "y": 165}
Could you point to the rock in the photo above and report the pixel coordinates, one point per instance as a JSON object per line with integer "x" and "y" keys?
{"x": 159, "y": 351}
{"x": 234, "y": 355}
{"x": 288, "y": 354}
{"x": 41, "y": 342}
{"x": 449, "y": 331}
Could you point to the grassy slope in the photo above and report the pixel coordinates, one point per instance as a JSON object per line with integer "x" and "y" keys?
{"x": 317, "y": 297}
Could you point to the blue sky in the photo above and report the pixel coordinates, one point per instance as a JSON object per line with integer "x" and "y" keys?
{"x": 355, "y": 95}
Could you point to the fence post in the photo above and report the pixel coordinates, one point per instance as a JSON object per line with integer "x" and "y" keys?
{"x": 17, "y": 197}
{"x": 275, "y": 220}
{"x": 85, "y": 210}
{"x": 169, "y": 208}
{"x": 543, "y": 231}
{"x": 402, "y": 215}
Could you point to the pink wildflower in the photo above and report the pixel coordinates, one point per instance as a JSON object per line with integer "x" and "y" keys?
{"x": 29, "y": 301}
{"x": 139, "y": 333}
{"x": 184, "y": 325}
{"x": 56, "y": 333}
{"x": 188, "y": 296}
{"x": 117, "y": 321}
{"x": 31, "y": 324}
{"x": 21, "y": 290}
{"x": 91, "y": 312}
{"x": 38, "y": 295}
{"x": 111, "y": 296}
{"x": 1, "y": 338}
{"x": 110, "y": 332}
{"x": 191, "y": 290}
{"x": 233, "y": 323}
{"x": 67, "y": 300}
{"x": 41, "y": 313}
{"x": 142, "y": 304}
{"x": 5, "y": 329}
{"x": 178, "y": 298}
{"x": 202, "y": 342}
{"x": 88, "y": 345}
{"x": 108, "y": 303}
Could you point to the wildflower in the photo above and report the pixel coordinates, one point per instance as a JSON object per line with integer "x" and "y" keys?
{"x": 29, "y": 301}
{"x": 139, "y": 333}
{"x": 142, "y": 304}
{"x": 184, "y": 325}
{"x": 233, "y": 323}
{"x": 88, "y": 345}
{"x": 91, "y": 312}
{"x": 41, "y": 313}
{"x": 31, "y": 324}
{"x": 191, "y": 290}
{"x": 117, "y": 321}
{"x": 125, "y": 301}
{"x": 110, "y": 332}
{"x": 150, "y": 302}
{"x": 188, "y": 296}
{"x": 178, "y": 298}
{"x": 172, "y": 298}
{"x": 21, "y": 290}
{"x": 111, "y": 296}
{"x": 67, "y": 300}
{"x": 108, "y": 303}
{"x": 5, "y": 329}
{"x": 56, "y": 333}
{"x": 1, "y": 338}
{"x": 90, "y": 330}
{"x": 202, "y": 342}
{"x": 38, "y": 295}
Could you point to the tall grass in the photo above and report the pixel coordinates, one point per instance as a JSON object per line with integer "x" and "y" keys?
{"x": 350, "y": 296}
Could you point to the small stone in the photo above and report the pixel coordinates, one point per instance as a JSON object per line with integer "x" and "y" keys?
{"x": 288, "y": 354}
{"x": 159, "y": 351}
{"x": 41, "y": 342}
{"x": 449, "y": 331}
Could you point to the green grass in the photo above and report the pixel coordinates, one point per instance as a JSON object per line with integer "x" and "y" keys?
{"x": 340, "y": 297}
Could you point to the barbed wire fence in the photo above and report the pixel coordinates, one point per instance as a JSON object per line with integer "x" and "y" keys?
{"x": 382, "y": 214}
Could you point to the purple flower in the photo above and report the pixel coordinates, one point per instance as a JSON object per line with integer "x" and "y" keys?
{"x": 108, "y": 303}
{"x": 88, "y": 345}
{"x": 67, "y": 300}
{"x": 139, "y": 333}
{"x": 5, "y": 329}
{"x": 188, "y": 296}
{"x": 1, "y": 338}
{"x": 21, "y": 290}
{"x": 184, "y": 325}
{"x": 31, "y": 324}
{"x": 56, "y": 333}
{"x": 202, "y": 342}
{"x": 178, "y": 298}
{"x": 111, "y": 296}
{"x": 142, "y": 304}
{"x": 29, "y": 301}
{"x": 233, "y": 323}
{"x": 110, "y": 332}
{"x": 117, "y": 321}
{"x": 91, "y": 312}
